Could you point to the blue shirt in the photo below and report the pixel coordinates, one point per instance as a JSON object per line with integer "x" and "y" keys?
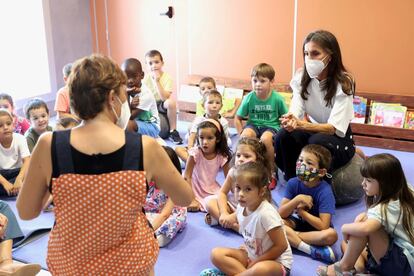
{"x": 322, "y": 195}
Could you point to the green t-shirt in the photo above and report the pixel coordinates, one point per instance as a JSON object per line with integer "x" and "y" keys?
{"x": 263, "y": 113}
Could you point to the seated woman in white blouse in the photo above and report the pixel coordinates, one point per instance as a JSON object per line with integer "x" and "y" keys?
{"x": 321, "y": 108}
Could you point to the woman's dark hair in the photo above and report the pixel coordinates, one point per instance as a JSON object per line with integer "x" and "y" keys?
{"x": 65, "y": 122}
{"x": 173, "y": 157}
{"x": 221, "y": 146}
{"x": 336, "y": 70}
{"x": 387, "y": 171}
{"x": 90, "y": 81}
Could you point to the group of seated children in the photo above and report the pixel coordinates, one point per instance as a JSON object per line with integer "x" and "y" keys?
{"x": 303, "y": 220}
{"x": 243, "y": 203}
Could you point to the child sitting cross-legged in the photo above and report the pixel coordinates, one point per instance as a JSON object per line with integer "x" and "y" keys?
{"x": 166, "y": 219}
{"x": 212, "y": 102}
{"x": 220, "y": 208}
{"x": 14, "y": 156}
{"x": 210, "y": 154}
{"x": 266, "y": 250}
{"x": 309, "y": 204}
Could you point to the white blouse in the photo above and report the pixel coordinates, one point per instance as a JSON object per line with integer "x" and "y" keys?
{"x": 339, "y": 115}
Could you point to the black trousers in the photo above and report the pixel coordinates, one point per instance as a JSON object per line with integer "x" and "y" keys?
{"x": 288, "y": 146}
{"x": 10, "y": 175}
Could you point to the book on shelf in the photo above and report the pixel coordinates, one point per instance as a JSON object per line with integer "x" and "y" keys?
{"x": 386, "y": 114}
{"x": 360, "y": 109}
{"x": 409, "y": 120}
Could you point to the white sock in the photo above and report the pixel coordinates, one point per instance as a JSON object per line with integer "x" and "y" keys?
{"x": 304, "y": 247}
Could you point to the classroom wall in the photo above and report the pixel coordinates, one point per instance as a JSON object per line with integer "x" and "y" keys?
{"x": 227, "y": 38}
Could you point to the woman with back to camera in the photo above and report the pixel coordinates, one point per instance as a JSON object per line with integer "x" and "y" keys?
{"x": 321, "y": 108}
{"x": 98, "y": 175}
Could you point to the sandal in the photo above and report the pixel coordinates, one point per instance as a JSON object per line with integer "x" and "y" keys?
{"x": 323, "y": 270}
{"x": 210, "y": 220}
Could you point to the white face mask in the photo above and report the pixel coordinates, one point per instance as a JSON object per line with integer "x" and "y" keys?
{"x": 314, "y": 67}
{"x": 123, "y": 118}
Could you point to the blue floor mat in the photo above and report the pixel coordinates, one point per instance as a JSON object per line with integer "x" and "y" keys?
{"x": 189, "y": 252}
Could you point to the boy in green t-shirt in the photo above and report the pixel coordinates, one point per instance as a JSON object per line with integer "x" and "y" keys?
{"x": 262, "y": 108}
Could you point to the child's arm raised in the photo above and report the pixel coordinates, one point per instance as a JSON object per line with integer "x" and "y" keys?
{"x": 163, "y": 216}
{"x": 191, "y": 140}
{"x": 278, "y": 238}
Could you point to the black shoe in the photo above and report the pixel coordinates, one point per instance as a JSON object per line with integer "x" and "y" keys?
{"x": 175, "y": 137}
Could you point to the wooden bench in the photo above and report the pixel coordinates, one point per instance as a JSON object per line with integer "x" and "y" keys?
{"x": 364, "y": 134}
{"x": 187, "y": 109}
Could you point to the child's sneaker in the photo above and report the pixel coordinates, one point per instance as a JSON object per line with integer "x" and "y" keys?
{"x": 212, "y": 272}
{"x": 324, "y": 253}
{"x": 175, "y": 137}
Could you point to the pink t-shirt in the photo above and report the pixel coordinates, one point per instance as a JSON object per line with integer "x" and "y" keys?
{"x": 62, "y": 103}
{"x": 204, "y": 175}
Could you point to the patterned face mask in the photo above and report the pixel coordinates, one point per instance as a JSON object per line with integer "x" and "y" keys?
{"x": 305, "y": 174}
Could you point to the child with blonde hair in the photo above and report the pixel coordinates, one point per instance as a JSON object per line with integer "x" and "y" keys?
{"x": 266, "y": 250}
{"x": 14, "y": 156}
{"x": 37, "y": 112}
{"x": 212, "y": 102}
{"x": 161, "y": 85}
{"x": 221, "y": 207}
{"x": 166, "y": 218}
{"x": 381, "y": 240}
{"x": 20, "y": 124}
{"x": 210, "y": 154}
{"x": 309, "y": 204}
{"x": 230, "y": 105}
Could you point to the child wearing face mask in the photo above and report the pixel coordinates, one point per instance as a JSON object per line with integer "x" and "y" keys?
{"x": 309, "y": 204}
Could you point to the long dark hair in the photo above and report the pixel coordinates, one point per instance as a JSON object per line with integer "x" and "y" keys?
{"x": 221, "y": 146}
{"x": 336, "y": 70}
{"x": 387, "y": 170}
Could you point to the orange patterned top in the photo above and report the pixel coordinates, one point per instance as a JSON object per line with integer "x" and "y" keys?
{"x": 100, "y": 227}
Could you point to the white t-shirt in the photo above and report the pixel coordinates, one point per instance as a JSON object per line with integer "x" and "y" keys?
{"x": 12, "y": 157}
{"x": 223, "y": 121}
{"x": 147, "y": 103}
{"x": 394, "y": 227}
{"x": 339, "y": 114}
{"x": 254, "y": 228}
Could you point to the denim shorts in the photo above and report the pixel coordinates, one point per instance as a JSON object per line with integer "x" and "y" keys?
{"x": 260, "y": 130}
{"x": 394, "y": 262}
